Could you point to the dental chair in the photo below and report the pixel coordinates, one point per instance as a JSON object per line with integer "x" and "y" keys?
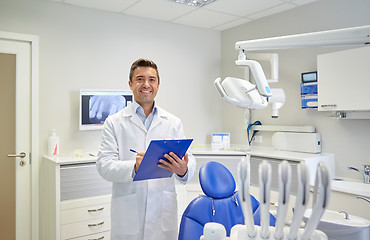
{"x": 220, "y": 203}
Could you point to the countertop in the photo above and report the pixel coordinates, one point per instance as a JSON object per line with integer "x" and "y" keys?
{"x": 235, "y": 150}
{"x": 349, "y": 186}
{"x": 70, "y": 159}
{"x": 257, "y": 151}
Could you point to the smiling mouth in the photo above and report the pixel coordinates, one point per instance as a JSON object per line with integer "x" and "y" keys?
{"x": 146, "y": 91}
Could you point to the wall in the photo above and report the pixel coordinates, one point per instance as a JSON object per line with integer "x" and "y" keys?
{"x": 347, "y": 139}
{"x": 86, "y": 48}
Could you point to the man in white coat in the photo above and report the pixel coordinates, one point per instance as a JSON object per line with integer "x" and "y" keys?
{"x": 142, "y": 210}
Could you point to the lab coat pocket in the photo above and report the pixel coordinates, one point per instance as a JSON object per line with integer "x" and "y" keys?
{"x": 125, "y": 218}
{"x": 169, "y": 211}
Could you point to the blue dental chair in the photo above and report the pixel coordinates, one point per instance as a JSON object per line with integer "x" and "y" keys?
{"x": 220, "y": 203}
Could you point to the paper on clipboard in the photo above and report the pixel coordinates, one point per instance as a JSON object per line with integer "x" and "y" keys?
{"x": 148, "y": 168}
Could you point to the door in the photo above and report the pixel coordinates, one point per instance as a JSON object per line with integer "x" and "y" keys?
{"x": 15, "y": 139}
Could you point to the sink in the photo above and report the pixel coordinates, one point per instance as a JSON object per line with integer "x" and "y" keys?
{"x": 335, "y": 226}
{"x": 351, "y": 186}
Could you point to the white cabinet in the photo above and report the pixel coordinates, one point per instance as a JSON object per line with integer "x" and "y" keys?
{"x": 75, "y": 200}
{"x": 344, "y": 80}
{"x": 85, "y": 217}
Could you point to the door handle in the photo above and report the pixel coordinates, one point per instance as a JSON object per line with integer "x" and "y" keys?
{"x": 21, "y": 155}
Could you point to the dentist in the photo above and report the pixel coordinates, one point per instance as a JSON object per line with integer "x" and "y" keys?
{"x": 142, "y": 210}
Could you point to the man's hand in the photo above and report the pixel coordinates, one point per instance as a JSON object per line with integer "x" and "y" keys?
{"x": 175, "y": 164}
{"x": 139, "y": 158}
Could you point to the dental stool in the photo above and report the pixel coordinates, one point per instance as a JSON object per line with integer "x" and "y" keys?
{"x": 220, "y": 203}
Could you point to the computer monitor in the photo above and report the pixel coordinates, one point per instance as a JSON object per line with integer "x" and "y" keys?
{"x": 97, "y": 105}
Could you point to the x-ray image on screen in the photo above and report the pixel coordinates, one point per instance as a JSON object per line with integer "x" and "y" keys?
{"x": 96, "y": 106}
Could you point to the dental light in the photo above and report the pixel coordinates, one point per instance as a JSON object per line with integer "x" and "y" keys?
{"x": 242, "y": 93}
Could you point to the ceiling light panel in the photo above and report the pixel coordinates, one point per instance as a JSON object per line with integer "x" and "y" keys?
{"x": 195, "y": 3}
{"x": 302, "y": 2}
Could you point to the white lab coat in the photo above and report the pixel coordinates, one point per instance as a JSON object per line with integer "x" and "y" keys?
{"x": 140, "y": 210}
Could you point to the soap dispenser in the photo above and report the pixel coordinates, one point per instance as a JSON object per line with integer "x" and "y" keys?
{"x": 53, "y": 143}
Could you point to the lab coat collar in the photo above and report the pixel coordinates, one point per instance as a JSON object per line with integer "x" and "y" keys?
{"x": 158, "y": 118}
{"x": 129, "y": 111}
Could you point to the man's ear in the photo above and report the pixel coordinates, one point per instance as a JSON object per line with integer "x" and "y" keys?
{"x": 130, "y": 84}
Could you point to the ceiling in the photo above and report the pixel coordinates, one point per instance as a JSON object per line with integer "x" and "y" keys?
{"x": 218, "y": 15}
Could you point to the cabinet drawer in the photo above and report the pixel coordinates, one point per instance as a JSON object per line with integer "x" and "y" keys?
{"x": 84, "y": 209}
{"x": 80, "y": 229}
{"x": 76, "y": 203}
{"x": 81, "y": 181}
{"x": 98, "y": 236}
{"x": 91, "y": 212}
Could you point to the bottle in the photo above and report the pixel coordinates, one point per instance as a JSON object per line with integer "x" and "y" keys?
{"x": 53, "y": 143}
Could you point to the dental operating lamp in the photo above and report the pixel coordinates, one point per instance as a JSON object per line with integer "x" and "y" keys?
{"x": 242, "y": 93}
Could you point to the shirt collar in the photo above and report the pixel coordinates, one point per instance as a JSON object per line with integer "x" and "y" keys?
{"x": 137, "y": 108}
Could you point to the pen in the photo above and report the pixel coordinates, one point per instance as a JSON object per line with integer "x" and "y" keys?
{"x": 132, "y": 150}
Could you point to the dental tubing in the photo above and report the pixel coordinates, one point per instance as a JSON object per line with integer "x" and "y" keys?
{"x": 285, "y": 173}
{"x": 249, "y": 231}
{"x": 301, "y": 200}
{"x": 264, "y": 171}
{"x": 243, "y": 180}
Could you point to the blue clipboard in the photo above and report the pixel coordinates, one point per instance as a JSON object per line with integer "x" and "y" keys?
{"x": 148, "y": 168}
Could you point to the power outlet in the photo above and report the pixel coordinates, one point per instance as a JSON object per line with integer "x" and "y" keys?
{"x": 257, "y": 139}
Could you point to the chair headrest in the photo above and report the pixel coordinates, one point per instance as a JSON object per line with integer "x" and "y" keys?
{"x": 216, "y": 180}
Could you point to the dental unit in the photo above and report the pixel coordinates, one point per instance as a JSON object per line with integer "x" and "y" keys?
{"x": 243, "y": 94}
{"x": 322, "y": 190}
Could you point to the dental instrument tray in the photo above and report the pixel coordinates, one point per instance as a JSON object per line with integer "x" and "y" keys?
{"x": 149, "y": 169}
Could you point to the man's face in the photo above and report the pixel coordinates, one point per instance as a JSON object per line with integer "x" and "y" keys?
{"x": 144, "y": 85}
